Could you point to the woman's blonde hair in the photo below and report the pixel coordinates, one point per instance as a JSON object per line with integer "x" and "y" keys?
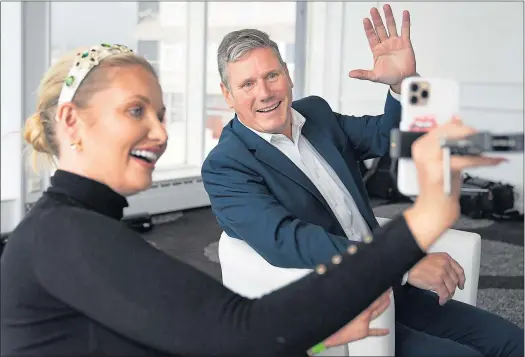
{"x": 39, "y": 129}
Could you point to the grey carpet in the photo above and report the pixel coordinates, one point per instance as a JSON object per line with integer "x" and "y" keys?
{"x": 193, "y": 238}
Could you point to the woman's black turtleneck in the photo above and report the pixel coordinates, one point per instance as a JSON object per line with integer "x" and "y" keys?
{"x": 82, "y": 191}
{"x": 77, "y": 281}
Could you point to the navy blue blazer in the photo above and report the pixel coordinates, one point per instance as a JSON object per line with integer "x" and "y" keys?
{"x": 262, "y": 197}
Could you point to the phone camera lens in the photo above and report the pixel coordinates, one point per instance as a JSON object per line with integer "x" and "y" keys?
{"x": 413, "y": 100}
{"x": 424, "y": 94}
{"x": 414, "y": 87}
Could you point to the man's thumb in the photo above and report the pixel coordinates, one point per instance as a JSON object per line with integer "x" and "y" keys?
{"x": 361, "y": 74}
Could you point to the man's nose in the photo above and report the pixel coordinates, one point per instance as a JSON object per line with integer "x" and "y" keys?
{"x": 264, "y": 91}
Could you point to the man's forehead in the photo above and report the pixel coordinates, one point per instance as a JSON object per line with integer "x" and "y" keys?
{"x": 254, "y": 64}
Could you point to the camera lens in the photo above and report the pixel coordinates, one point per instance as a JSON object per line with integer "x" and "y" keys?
{"x": 414, "y": 87}
{"x": 413, "y": 100}
{"x": 424, "y": 94}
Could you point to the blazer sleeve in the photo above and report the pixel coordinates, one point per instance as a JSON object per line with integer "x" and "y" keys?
{"x": 113, "y": 276}
{"x": 370, "y": 135}
{"x": 241, "y": 201}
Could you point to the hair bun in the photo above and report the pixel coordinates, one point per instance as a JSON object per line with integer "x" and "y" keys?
{"x": 34, "y": 133}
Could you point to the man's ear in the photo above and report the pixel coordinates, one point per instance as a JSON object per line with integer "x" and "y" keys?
{"x": 67, "y": 117}
{"x": 227, "y": 95}
{"x": 288, "y": 75}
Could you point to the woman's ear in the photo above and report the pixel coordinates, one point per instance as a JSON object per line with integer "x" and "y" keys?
{"x": 67, "y": 118}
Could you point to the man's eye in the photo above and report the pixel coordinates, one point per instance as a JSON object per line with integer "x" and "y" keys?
{"x": 247, "y": 85}
{"x": 136, "y": 112}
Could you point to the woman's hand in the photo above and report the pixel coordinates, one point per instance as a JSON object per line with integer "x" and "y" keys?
{"x": 434, "y": 211}
{"x": 359, "y": 327}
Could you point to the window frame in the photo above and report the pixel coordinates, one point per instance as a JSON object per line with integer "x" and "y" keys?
{"x": 36, "y": 56}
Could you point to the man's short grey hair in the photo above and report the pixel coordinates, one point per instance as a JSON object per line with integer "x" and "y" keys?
{"x": 236, "y": 44}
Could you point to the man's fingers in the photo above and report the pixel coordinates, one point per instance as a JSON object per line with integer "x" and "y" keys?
{"x": 450, "y": 284}
{"x": 378, "y": 24}
{"x": 405, "y": 25}
{"x": 371, "y": 34}
{"x": 378, "y": 332}
{"x": 460, "y": 273}
{"x": 390, "y": 20}
{"x": 452, "y": 275}
{"x": 443, "y": 294}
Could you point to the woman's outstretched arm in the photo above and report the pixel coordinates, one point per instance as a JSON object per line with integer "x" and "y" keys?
{"x": 113, "y": 276}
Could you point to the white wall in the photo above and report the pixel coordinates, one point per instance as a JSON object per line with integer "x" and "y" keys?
{"x": 11, "y": 112}
{"x": 478, "y": 44}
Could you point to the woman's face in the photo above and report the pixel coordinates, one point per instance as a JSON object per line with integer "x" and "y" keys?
{"x": 121, "y": 132}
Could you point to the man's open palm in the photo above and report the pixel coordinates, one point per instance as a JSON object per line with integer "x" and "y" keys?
{"x": 393, "y": 55}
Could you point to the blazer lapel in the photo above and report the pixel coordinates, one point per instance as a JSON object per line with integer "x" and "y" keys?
{"x": 271, "y": 156}
{"x": 327, "y": 149}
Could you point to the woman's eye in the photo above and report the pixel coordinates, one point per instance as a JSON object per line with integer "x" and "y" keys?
{"x": 136, "y": 112}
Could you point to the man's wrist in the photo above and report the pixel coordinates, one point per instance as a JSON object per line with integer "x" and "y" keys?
{"x": 396, "y": 88}
{"x": 395, "y": 95}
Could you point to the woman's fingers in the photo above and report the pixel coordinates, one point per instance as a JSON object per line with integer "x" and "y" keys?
{"x": 460, "y": 163}
{"x": 378, "y": 332}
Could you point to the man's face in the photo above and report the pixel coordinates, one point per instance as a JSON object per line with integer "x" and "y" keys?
{"x": 260, "y": 91}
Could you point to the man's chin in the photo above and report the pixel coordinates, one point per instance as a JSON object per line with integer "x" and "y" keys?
{"x": 278, "y": 127}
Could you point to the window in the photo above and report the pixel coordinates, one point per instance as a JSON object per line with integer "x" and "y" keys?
{"x": 70, "y": 32}
{"x": 174, "y": 103}
{"x": 173, "y": 57}
{"x": 150, "y": 50}
{"x": 275, "y": 18}
{"x": 185, "y": 64}
{"x": 289, "y": 57}
{"x": 141, "y": 26}
{"x": 148, "y": 10}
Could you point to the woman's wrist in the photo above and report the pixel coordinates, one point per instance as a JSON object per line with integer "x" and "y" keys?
{"x": 427, "y": 222}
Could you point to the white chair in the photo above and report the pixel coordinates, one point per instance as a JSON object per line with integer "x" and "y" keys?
{"x": 247, "y": 273}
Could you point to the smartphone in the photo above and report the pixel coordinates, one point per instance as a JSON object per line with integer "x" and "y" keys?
{"x": 426, "y": 103}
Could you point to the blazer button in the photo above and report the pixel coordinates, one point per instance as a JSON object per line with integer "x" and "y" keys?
{"x": 368, "y": 239}
{"x": 320, "y": 269}
{"x": 336, "y": 259}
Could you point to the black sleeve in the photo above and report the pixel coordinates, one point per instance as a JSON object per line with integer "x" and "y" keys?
{"x": 113, "y": 276}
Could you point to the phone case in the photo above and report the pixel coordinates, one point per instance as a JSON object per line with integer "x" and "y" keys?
{"x": 426, "y": 103}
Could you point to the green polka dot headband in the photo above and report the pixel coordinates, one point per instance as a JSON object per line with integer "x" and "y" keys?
{"x": 85, "y": 62}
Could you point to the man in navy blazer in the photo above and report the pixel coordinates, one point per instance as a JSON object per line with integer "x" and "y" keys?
{"x": 284, "y": 177}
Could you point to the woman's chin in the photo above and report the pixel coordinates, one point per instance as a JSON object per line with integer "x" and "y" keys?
{"x": 137, "y": 185}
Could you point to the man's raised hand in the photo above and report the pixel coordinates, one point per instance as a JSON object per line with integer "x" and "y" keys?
{"x": 393, "y": 55}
